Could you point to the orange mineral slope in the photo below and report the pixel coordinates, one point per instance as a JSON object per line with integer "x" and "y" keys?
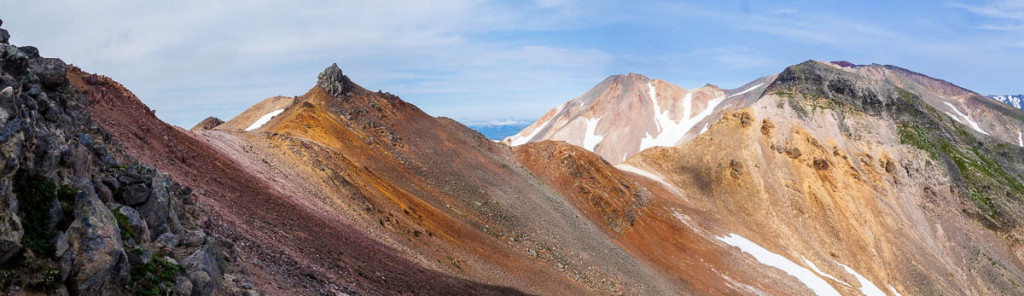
{"x": 440, "y": 193}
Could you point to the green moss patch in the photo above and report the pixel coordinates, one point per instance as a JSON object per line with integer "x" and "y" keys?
{"x": 155, "y": 278}
{"x": 36, "y": 195}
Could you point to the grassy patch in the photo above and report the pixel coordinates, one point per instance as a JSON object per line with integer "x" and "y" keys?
{"x": 982, "y": 175}
{"x": 155, "y": 278}
{"x": 127, "y": 231}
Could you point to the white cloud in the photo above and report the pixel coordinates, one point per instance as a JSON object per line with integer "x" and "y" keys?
{"x": 222, "y": 56}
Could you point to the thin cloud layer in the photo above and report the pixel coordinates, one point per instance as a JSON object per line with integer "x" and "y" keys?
{"x": 477, "y": 61}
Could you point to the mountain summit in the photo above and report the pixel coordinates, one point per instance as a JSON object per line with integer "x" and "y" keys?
{"x": 625, "y": 114}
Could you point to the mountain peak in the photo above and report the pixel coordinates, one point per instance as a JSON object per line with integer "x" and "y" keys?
{"x": 334, "y": 81}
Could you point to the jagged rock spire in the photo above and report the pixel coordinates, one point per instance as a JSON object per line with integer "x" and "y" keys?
{"x": 333, "y": 81}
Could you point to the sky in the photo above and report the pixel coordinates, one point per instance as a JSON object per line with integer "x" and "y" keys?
{"x": 501, "y": 62}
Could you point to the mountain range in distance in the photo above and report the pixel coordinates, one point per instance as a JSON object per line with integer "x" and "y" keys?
{"x": 826, "y": 178}
{"x": 1016, "y": 101}
{"x": 499, "y": 130}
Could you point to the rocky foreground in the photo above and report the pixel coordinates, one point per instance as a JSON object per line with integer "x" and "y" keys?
{"x": 79, "y": 215}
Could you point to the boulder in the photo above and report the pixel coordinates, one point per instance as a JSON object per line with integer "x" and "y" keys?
{"x": 183, "y": 286}
{"x": 12, "y": 59}
{"x": 56, "y": 214}
{"x": 99, "y": 265}
{"x": 161, "y": 209}
{"x": 193, "y": 238}
{"x": 4, "y": 36}
{"x": 138, "y": 224}
{"x": 167, "y": 240}
{"x": 203, "y": 271}
{"x": 139, "y": 256}
{"x": 30, "y": 51}
{"x": 136, "y": 194}
{"x": 51, "y": 72}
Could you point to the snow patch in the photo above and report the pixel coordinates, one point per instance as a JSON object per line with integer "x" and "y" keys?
{"x": 264, "y": 119}
{"x": 671, "y": 131}
{"x": 970, "y": 122}
{"x": 818, "y": 285}
{"x": 641, "y": 172}
{"x": 649, "y": 175}
{"x": 1020, "y": 139}
{"x": 866, "y": 286}
{"x": 954, "y": 117}
{"x": 704, "y": 129}
{"x": 822, "y": 273}
{"x": 897, "y": 293}
{"x": 590, "y": 138}
{"x": 747, "y": 90}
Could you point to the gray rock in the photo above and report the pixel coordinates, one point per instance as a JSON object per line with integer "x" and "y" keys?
{"x": 140, "y": 256}
{"x": 160, "y": 211}
{"x": 34, "y": 90}
{"x": 86, "y": 140}
{"x": 56, "y": 214}
{"x": 136, "y": 194}
{"x": 167, "y": 240}
{"x": 14, "y": 60}
{"x": 111, "y": 183}
{"x": 51, "y": 72}
{"x": 100, "y": 265}
{"x": 183, "y": 286}
{"x": 193, "y": 238}
{"x": 10, "y": 226}
{"x": 4, "y": 36}
{"x": 136, "y": 221}
{"x": 203, "y": 271}
{"x": 61, "y": 243}
{"x": 30, "y": 51}
{"x": 51, "y": 114}
{"x": 104, "y": 192}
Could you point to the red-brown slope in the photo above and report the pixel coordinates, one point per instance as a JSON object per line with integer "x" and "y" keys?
{"x": 286, "y": 247}
{"x": 443, "y": 192}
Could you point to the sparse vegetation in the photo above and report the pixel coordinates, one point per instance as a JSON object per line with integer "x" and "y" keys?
{"x": 36, "y": 195}
{"x": 982, "y": 175}
{"x": 155, "y": 278}
{"x": 127, "y": 231}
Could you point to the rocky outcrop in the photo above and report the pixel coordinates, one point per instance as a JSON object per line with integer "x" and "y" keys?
{"x": 77, "y": 215}
{"x": 207, "y": 124}
{"x": 334, "y": 82}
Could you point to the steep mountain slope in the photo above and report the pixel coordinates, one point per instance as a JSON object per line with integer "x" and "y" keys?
{"x": 851, "y": 182}
{"x": 980, "y": 113}
{"x": 625, "y": 114}
{"x": 372, "y": 160}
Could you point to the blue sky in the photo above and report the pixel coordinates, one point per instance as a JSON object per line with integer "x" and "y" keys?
{"x": 502, "y": 61}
